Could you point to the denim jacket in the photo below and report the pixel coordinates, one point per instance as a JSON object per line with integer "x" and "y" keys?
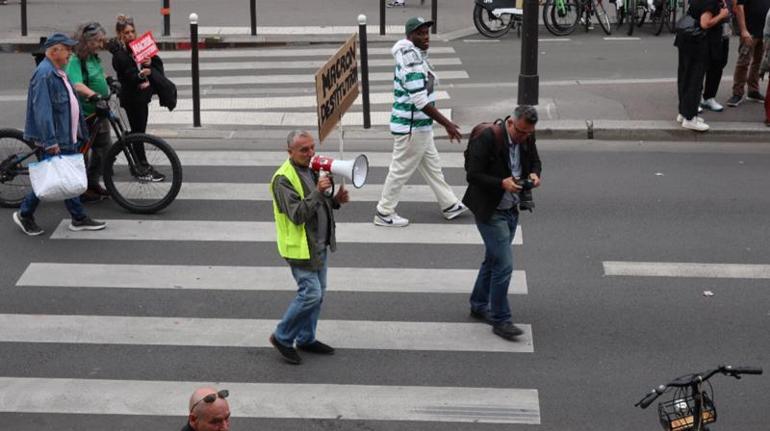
{"x": 48, "y": 111}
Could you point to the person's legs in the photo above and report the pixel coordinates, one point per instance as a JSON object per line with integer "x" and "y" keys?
{"x": 297, "y": 316}
{"x": 714, "y": 71}
{"x": 406, "y": 158}
{"x": 752, "y": 81}
{"x": 306, "y": 334}
{"x": 693, "y": 87}
{"x": 430, "y": 169}
{"x": 75, "y": 208}
{"x": 29, "y": 205}
{"x": 99, "y": 149}
{"x": 767, "y": 104}
{"x": 490, "y": 292}
{"x": 137, "y": 114}
{"x": 741, "y": 69}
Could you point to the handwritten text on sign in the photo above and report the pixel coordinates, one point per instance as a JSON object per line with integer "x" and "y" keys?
{"x": 336, "y": 86}
{"x": 144, "y": 47}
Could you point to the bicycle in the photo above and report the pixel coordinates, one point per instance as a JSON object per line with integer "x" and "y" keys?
{"x": 690, "y": 411}
{"x": 634, "y": 12}
{"x": 666, "y": 16}
{"x": 142, "y": 173}
{"x": 561, "y": 17}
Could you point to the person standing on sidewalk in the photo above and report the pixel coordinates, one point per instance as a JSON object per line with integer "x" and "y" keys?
{"x": 304, "y": 224}
{"x": 411, "y": 123}
{"x": 496, "y": 163}
{"x": 86, "y": 73}
{"x": 750, "y": 15}
{"x": 719, "y": 49}
{"x": 56, "y": 126}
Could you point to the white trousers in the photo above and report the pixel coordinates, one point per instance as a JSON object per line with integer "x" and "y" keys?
{"x": 410, "y": 152}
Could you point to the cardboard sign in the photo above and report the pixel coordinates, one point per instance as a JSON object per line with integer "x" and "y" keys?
{"x": 144, "y": 47}
{"x": 336, "y": 87}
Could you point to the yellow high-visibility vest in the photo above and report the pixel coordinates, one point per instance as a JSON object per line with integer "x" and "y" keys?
{"x": 291, "y": 238}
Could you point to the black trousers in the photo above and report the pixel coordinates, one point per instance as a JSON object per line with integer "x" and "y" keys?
{"x": 137, "y": 116}
{"x": 689, "y": 77}
{"x": 717, "y": 63}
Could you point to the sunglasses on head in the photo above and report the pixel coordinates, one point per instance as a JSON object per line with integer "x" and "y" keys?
{"x": 210, "y": 398}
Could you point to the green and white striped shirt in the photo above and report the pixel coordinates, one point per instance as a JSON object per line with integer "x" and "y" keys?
{"x": 412, "y": 89}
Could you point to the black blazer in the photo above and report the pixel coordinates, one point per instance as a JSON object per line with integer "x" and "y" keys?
{"x": 487, "y": 164}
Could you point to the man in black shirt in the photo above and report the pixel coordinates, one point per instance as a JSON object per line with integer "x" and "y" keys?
{"x": 750, "y": 15}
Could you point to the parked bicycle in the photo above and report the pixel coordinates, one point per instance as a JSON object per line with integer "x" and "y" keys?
{"x": 495, "y": 18}
{"x": 632, "y": 12}
{"x": 142, "y": 172}
{"x": 665, "y": 16}
{"x": 691, "y": 405}
{"x": 561, "y": 17}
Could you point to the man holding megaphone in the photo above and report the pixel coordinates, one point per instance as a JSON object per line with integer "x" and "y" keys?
{"x": 304, "y": 224}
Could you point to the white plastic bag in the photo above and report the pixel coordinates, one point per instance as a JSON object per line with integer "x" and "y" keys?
{"x": 59, "y": 177}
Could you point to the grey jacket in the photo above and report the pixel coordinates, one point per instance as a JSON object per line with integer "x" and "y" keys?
{"x": 306, "y": 211}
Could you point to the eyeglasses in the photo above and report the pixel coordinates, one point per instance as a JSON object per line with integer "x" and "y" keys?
{"x": 210, "y": 398}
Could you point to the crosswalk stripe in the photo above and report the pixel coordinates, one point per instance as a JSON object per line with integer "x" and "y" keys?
{"x": 253, "y": 278}
{"x": 261, "y": 192}
{"x": 691, "y": 270}
{"x": 248, "y": 231}
{"x": 284, "y": 102}
{"x": 186, "y": 81}
{"x": 186, "y": 331}
{"x": 295, "y": 64}
{"x": 377, "y": 159}
{"x": 272, "y": 52}
{"x": 262, "y": 118}
{"x": 274, "y": 400}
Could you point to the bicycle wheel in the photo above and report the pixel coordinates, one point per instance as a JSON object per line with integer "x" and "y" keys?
{"x": 489, "y": 25}
{"x": 14, "y": 176}
{"x": 602, "y": 16}
{"x": 631, "y": 16}
{"x": 561, "y": 16}
{"x": 142, "y": 173}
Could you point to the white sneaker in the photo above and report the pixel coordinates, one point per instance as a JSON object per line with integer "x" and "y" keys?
{"x": 391, "y": 220}
{"x": 694, "y": 124}
{"x": 680, "y": 118}
{"x": 712, "y": 105}
{"x": 454, "y": 211}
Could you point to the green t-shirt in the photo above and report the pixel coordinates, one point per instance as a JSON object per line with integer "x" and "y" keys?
{"x": 96, "y": 79}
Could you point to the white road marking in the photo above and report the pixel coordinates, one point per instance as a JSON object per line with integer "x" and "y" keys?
{"x": 281, "y": 52}
{"x": 621, "y": 39}
{"x": 690, "y": 270}
{"x": 186, "y": 331}
{"x": 274, "y": 400}
{"x": 267, "y": 118}
{"x": 309, "y": 30}
{"x": 247, "y": 231}
{"x": 253, "y": 278}
{"x": 296, "y": 64}
{"x": 185, "y": 81}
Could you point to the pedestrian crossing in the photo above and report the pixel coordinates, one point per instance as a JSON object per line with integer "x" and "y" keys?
{"x": 144, "y": 277}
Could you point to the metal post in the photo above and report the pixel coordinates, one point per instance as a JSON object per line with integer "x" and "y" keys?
{"x": 434, "y": 16}
{"x": 382, "y": 17}
{"x": 253, "y": 11}
{"x": 165, "y": 10}
{"x": 364, "y": 69}
{"x": 23, "y": 17}
{"x": 195, "y": 70}
{"x": 528, "y": 79}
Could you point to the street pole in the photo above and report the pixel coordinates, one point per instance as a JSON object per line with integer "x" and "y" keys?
{"x": 165, "y": 10}
{"x": 528, "y": 79}
{"x": 253, "y": 11}
{"x": 195, "y": 70}
{"x": 382, "y": 17}
{"x": 364, "y": 70}
{"x": 23, "y": 17}
{"x": 434, "y": 16}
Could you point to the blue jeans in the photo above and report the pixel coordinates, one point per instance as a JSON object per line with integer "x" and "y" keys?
{"x": 30, "y": 202}
{"x": 300, "y": 320}
{"x": 490, "y": 292}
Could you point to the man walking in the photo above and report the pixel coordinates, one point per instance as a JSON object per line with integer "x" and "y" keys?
{"x": 304, "y": 224}
{"x": 209, "y": 411}
{"x": 56, "y": 126}
{"x": 411, "y": 123}
{"x": 750, "y": 15}
{"x": 497, "y": 163}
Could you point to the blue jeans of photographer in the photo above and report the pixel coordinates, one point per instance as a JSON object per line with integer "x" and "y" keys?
{"x": 299, "y": 322}
{"x": 31, "y": 201}
{"x": 490, "y": 292}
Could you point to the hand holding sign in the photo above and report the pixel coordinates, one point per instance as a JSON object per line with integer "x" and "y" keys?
{"x": 144, "y": 48}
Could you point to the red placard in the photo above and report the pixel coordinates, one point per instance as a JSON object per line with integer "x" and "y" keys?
{"x": 144, "y": 47}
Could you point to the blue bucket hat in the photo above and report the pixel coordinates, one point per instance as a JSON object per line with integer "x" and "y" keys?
{"x": 59, "y": 38}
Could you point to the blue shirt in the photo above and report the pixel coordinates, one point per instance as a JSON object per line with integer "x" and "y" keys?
{"x": 510, "y": 200}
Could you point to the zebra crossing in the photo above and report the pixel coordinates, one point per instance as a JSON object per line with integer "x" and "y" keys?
{"x": 266, "y": 87}
{"x": 170, "y": 327}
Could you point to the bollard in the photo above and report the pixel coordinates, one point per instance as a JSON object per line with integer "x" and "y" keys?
{"x": 382, "y": 17}
{"x": 195, "y": 70}
{"x": 23, "y": 17}
{"x": 165, "y": 10}
{"x": 364, "y": 70}
{"x": 434, "y": 16}
{"x": 253, "y": 12}
{"x": 528, "y": 80}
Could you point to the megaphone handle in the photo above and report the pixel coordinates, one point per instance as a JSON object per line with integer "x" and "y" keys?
{"x": 330, "y": 191}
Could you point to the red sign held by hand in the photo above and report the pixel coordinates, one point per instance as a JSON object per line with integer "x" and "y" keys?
{"x": 144, "y": 47}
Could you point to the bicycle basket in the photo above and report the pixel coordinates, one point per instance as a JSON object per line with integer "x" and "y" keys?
{"x": 677, "y": 414}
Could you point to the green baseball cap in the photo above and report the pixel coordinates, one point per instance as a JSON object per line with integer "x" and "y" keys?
{"x": 416, "y": 22}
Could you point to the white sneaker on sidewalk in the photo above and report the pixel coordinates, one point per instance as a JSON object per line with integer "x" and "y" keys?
{"x": 694, "y": 124}
{"x": 680, "y": 118}
{"x": 712, "y": 105}
{"x": 390, "y": 220}
{"x": 454, "y": 211}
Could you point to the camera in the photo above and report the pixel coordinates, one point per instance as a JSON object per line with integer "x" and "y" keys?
{"x": 525, "y": 195}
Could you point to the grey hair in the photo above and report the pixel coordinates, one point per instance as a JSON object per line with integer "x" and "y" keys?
{"x": 526, "y": 112}
{"x": 294, "y": 134}
{"x": 84, "y": 33}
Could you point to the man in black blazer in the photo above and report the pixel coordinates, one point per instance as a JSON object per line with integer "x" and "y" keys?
{"x": 497, "y": 162}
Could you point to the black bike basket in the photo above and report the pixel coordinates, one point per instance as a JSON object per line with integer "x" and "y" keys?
{"x": 677, "y": 414}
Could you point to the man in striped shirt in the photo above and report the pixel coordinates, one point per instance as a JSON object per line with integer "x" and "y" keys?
{"x": 411, "y": 123}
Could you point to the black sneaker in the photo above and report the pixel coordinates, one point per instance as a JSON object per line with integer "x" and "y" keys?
{"x": 755, "y": 96}
{"x": 149, "y": 174}
{"x": 734, "y": 100}
{"x": 509, "y": 331}
{"x": 27, "y": 224}
{"x": 86, "y": 224}
{"x": 482, "y": 316}
{"x": 289, "y": 354}
{"x": 317, "y": 347}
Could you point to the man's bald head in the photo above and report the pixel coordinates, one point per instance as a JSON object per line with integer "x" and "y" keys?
{"x": 209, "y": 410}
